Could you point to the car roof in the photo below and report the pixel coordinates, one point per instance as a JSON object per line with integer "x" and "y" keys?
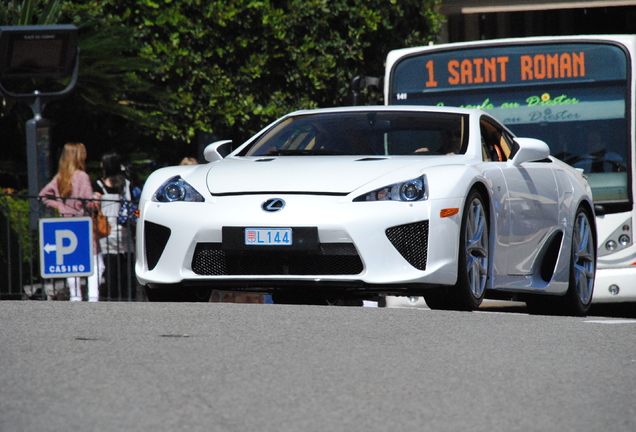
{"x": 395, "y": 108}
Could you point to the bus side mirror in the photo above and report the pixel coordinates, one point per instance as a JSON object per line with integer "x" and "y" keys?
{"x": 530, "y": 150}
{"x": 211, "y": 153}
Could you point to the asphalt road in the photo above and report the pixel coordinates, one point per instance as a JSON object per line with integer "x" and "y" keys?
{"x": 254, "y": 367}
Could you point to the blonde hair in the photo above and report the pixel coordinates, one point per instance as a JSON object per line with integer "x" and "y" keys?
{"x": 73, "y": 159}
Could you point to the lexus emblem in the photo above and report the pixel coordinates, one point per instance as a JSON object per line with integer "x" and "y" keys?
{"x": 273, "y": 205}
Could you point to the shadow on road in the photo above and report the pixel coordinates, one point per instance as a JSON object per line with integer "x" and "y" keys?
{"x": 616, "y": 310}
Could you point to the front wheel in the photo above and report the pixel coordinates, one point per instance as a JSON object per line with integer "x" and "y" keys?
{"x": 296, "y": 298}
{"x": 474, "y": 248}
{"x": 578, "y": 298}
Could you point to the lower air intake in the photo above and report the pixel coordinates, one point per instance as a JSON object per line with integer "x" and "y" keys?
{"x": 331, "y": 259}
{"x": 155, "y": 237}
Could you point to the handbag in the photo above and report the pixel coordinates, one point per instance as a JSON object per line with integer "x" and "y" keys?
{"x": 101, "y": 227}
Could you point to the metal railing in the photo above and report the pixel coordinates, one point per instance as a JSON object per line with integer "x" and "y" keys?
{"x": 20, "y": 275}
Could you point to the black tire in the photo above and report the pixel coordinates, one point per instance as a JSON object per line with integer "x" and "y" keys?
{"x": 578, "y": 298}
{"x": 200, "y": 294}
{"x": 291, "y": 297}
{"x": 178, "y": 293}
{"x": 474, "y": 250}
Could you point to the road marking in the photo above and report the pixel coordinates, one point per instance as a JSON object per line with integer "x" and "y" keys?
{"x": 612, "y": 321}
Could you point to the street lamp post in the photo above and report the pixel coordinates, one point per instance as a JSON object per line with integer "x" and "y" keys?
{"x": 44, "y": 52}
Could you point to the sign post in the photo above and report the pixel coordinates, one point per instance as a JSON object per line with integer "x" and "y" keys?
{"x": 66, "y": 247}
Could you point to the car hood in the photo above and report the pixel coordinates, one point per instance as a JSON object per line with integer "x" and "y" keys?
{"x": 312, "y": 174}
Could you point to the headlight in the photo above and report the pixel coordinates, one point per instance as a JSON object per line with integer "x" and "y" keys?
{"x": 177, "y": 189}
{"x": 412, "y": 190}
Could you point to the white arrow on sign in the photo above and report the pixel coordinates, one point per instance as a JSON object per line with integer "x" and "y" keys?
{"x": 48, "y": 248}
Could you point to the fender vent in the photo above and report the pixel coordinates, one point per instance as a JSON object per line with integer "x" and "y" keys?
{"x": 551, "y": 250}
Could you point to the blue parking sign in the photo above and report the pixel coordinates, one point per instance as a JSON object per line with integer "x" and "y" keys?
{"x": 66, "y": 247}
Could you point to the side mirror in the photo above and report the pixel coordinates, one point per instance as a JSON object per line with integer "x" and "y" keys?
{"x": 530, "y": 150}
{"x": 211, "y": 152}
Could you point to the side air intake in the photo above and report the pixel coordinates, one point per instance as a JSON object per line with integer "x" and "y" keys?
{"x": 411, "y": 241}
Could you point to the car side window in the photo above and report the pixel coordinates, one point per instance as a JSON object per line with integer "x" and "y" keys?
{"x": 494, "y": 141}
{"x": 509, "y": 145}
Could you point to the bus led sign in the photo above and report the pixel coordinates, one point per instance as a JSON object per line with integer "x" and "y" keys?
{"x": 505, "y": 66}
{"x": 495, "y": 69}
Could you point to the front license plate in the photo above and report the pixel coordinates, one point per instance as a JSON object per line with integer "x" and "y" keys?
{"x": 268, "y": 236}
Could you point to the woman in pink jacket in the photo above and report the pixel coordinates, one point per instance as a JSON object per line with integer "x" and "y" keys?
{"x": 70, "y": 193}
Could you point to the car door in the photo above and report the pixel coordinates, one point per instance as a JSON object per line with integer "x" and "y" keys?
{"x": 530, "y": 203}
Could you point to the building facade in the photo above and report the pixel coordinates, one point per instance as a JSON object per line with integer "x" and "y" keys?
{"x": 469, "y": 20}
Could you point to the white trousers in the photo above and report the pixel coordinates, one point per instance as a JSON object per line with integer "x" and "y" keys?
{"x": 75, "y": 285}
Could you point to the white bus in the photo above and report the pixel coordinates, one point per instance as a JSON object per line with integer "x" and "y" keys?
{"x": 577, "y": 93}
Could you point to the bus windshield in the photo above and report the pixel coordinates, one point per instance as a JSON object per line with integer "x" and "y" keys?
{"x": 573, "y": 96}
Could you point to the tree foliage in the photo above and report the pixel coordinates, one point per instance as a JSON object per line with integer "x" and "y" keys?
{"x": 167, "y": 69}
{"x": 109, "y": 80}
{"x": 230, "y": 67}
{"x": 111, "y": 97}
{"x": 30, "y": 12}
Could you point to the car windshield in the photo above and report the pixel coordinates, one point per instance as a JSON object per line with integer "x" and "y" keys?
{"x": 384, "y": 133}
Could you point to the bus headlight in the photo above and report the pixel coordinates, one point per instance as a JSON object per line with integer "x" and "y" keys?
{"x": 624, "y": 240}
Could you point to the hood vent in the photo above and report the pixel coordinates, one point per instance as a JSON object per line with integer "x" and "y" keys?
{"x": 371, "y": 159}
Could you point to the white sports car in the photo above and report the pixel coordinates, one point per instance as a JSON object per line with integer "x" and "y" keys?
{"x": 356, "y": 203}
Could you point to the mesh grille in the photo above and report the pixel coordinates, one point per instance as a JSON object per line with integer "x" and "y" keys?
{"x": 331, "y": 259}
{"x": 155, "y": 237}
{"x": 411, "y": 241}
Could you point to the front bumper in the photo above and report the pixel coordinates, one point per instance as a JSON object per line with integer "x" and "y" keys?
{"x": 615, "y": 285}
{"x": 361, "y": 244}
